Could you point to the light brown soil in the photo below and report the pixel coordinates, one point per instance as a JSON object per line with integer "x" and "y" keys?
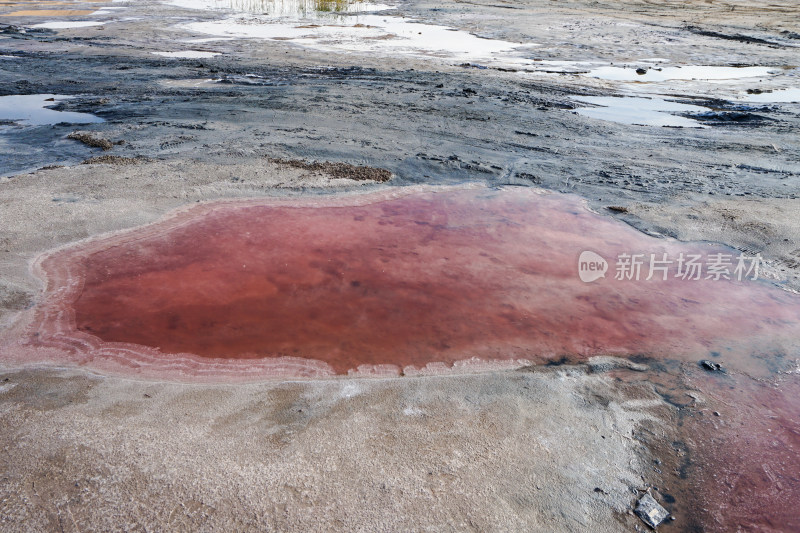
{"x": 556, "y": 450}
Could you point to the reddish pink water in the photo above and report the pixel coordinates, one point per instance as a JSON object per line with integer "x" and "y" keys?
{"x": 317, "y": 286}
{"x": 426, "y": 277}
{"x": 747, "y": 461}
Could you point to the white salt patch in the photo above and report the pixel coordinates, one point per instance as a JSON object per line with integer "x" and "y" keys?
{"x": 187, "y": 54}
{"x": 65, "y": 24}
{"x": 565, "y": 63}
{"x": 208, "y": 40}
{"x": 349, "y": 390}
{"x": 639, "y": 111}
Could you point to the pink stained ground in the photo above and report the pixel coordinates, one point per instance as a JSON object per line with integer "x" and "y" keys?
{"x": 746, "y": 466}
{"x": 404, "y": 280}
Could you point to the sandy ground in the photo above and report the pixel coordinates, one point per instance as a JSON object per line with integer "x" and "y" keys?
{"x": 556, "y": 449}
{"x": 767, "y": 227}
{"x": 489, "y": 452}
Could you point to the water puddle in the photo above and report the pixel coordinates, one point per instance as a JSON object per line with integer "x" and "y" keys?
{"x": 551, "y": 66}
{"x": 639, "y": 111}
{"x": 67, "y": 24}
{"x": 293, "y": 9}
{"x": 351, "y": 27}
{"x": 689, "y": 72}
{"x": 388, "y": 282}
{"x": 33, "y": 110}
{"x": 738, "y": 448}
{"x": 779, "y": 96}
{"x": 747, "y": 461}
{"x": 49, "y": 13}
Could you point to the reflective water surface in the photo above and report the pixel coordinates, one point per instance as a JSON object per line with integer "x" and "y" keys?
{"x": 34, "y": 110}
{"x": 640, "y": 111}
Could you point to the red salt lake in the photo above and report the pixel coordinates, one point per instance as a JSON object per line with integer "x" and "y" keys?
{"x": 390, "y": 281}
{"x": 418, "y": 279}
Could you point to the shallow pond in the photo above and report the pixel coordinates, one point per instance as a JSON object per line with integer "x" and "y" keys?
{"x": 34, "y": 110}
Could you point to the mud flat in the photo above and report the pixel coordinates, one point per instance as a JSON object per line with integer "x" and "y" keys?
{"x": 677, "y": 118}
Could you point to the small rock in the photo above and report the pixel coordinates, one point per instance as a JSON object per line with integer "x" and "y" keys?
{"x": 90, "y": 140}
{"x": 711, "y": 366}
{"x": 641, "y": 71}
{"x": 650, "y": 511}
